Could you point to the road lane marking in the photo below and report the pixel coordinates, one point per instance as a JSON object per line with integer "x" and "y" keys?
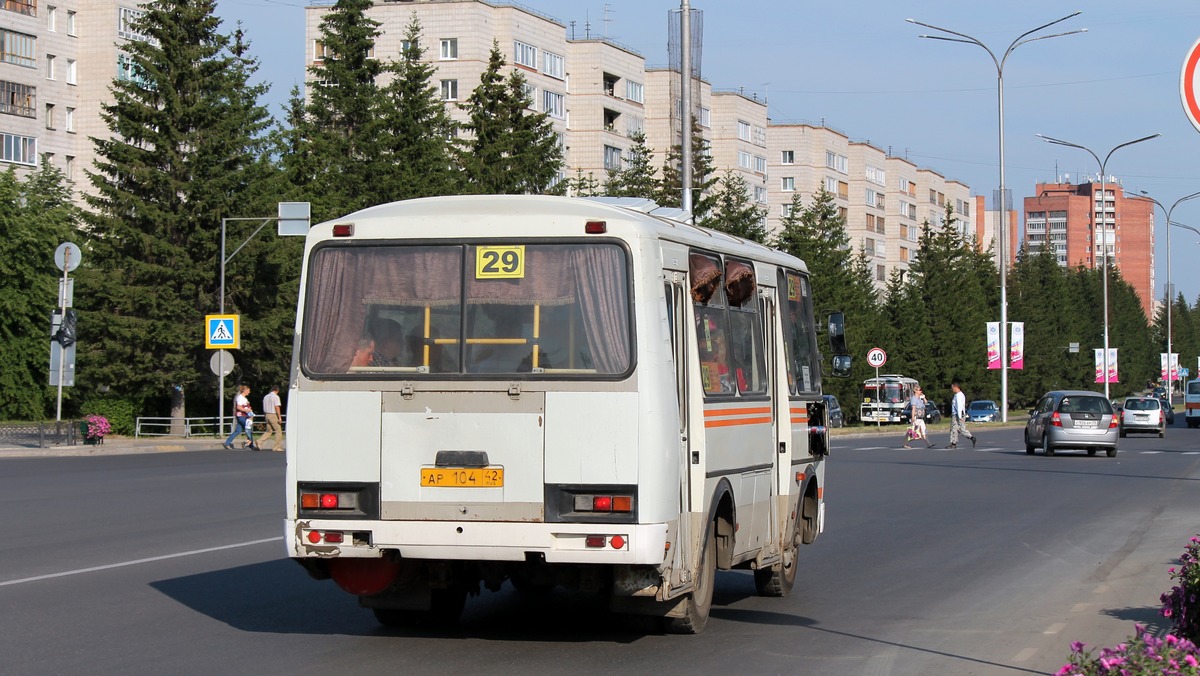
{"x": 1149, "y": 452}
{"x": 1055, "y": 628}
{"x": 1025, "y": 654}
{"x": 135, "y": 562}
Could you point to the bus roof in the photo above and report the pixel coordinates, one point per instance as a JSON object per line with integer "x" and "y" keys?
{"x": 498, "y": 216}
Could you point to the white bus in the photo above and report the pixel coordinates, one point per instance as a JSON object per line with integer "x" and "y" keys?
{"x": 1191, "y": 403}
{"x": 551, "y": 391}
{"x": 885, "y": 397}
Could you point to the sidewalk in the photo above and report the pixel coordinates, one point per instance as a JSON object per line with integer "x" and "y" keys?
{"x": 118, "y": 445}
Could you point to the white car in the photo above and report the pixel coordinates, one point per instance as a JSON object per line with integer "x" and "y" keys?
{"x": 1143, "y": 414}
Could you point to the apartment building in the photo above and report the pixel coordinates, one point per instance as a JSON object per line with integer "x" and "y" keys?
{"x": 866, "y": 220}
{"x": 607, "y": 105}
{"x": 801, "y": 159}
{"x": 739, "y": 140}
{"x": 664, "y": 116}
{"x": 905, "y": 229}
{"x": 1061, "y": 217}
{"x": 57, "y": 61}
{"x": 986, "y": 230}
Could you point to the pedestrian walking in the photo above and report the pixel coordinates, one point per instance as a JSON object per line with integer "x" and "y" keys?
{"x": 243, "y": 416}
{"x": 273, "y": 409}
{"x": 958, "y": 416}
{"x": 917, "y": 430}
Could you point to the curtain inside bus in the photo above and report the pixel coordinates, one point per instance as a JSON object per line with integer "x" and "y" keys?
{"x": 350, "y": 287}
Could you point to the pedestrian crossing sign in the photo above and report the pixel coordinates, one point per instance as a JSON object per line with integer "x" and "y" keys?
{"x": 222, "y": 332}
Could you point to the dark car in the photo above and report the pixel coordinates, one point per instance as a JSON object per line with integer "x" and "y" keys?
{"x": 1073, "y": 419}
{"x": 1168, "y": 409}
{"x": 834, "y": 409}
{"x": 932, "y": 414}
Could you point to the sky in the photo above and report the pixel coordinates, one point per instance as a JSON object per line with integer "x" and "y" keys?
{"x": 861, "y": 68}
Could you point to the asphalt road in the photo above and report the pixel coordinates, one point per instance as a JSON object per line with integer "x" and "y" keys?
{"x": 971, "y": 561}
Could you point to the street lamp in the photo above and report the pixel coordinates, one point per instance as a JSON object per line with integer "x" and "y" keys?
{"x": 1002, "y": 228}
{"x": 1104, "y": 225}
{"x": 1170, "y": 299}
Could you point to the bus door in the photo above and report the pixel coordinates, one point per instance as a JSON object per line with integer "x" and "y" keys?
{"x": 689, "y": 460}
{"x": 782, "y": 464}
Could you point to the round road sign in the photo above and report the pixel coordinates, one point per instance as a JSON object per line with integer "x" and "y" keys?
{"x": 221, "y": 363}
{"x": 67, "y": 256}
{"x": 1188, "y": 85}
{"x": 876, "y": 357}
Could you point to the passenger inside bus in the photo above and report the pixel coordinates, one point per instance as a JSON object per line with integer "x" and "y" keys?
{"x": 385, "y": 345}
{"x": 714, "y": 357}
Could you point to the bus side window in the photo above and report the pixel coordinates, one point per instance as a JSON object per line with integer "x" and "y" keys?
{"x": 708, "y": 295}
{"x": 745, "y": 343}
{"x": 796, "y": 310}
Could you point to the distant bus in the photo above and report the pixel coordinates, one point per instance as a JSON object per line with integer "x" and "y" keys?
{"x": 552, "y": 391}
{"x": 884, "y": 398}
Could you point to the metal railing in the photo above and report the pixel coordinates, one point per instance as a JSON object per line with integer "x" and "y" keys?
{"x": 196, "y": 427}
{"x": 41, "y": 434}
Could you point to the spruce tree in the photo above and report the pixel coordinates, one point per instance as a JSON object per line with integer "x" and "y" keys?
{"x": 638, "y": 177}
{"x": 734, "y": 212}
{"x": 704, "y": 177}
{"x": 418, "y": 131}
{"x": 342, "y": 125}
{"x": 186, "y": 150}
{"x": 510, "y": 149}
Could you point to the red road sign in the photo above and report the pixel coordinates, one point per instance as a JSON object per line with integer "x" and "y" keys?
{"x": 1188, "y": 85}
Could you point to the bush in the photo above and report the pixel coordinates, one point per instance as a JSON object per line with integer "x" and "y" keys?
{"x": 120, "y": 413}
{"x": 1142, "y": 654}
{"x": 1181, "y": 605}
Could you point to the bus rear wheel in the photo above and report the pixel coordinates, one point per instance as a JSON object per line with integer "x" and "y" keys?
{"x": 699, "y": 601}
{"x": 778, "y": 579}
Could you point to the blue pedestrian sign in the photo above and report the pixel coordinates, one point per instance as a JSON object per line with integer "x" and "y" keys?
{"x": 1183, "y": 374}
{"x": 222, "y": 332}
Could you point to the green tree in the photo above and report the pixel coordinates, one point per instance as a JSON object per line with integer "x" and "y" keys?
{"x": 638, "y": 177}
{"x": 417, "y": 128}
{"x": 704, "y": 176}
{"x": 734, "y": 212}
{"x": 36, "y": 215}
{"x": 510, "y": 149}
{"x": 187, "y": 148}
{"x": 340, "y": 155}
{"x": 1042, "y": 295}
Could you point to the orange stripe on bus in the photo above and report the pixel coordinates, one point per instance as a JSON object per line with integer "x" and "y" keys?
{"x": 820, "y": 493}
{"x": 715, "y": 412}
{"x": 736, "y": 421}
{"x": 1192, "y": 406}
{"x": 800, "y": 419}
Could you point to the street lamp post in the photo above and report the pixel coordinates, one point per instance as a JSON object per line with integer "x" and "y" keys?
{"x": 1170, "y": 299}
{"x": 1002, "y": 226}
{"x": 1104, "y": 225}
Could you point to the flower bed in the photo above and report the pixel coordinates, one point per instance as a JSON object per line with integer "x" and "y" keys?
{"x": 97, "y": 429}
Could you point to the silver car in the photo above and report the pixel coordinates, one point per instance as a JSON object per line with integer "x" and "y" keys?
{"x": 1073, "y": 419}
{"x": 1143, "y": 414}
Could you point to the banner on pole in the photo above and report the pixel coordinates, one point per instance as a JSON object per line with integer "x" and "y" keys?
{"x": 993, "y": 345}
{"x": 1169, "y": 373}
{"x": 1099, "y": 365}
{"x": 1112, "y": 365}
{"x": 1017, "y": 345}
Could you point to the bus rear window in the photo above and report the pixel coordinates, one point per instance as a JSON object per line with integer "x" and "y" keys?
{"x": 402, "y": 311}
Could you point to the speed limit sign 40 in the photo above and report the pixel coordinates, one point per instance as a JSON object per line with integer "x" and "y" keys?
{"x": 876, "y": 357}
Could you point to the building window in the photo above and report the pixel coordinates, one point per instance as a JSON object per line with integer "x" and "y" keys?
{"x": 787, "y": 183}
{"x": 70, "y": 22}
{"x": 127, "y": 17}
{"x": 837, "y": 162}
{"x": 760, "y": 194}
{"x": 612, "y": 158}
{"x": 18, "y": 99}
{"x": 449, "y": 90}
{"x": 128, "y": 71}
{"x": 745, "y": 160}
{"x": 554, "y": 65}
{"x": 69, "y": 120}
{"x": 51, "y": 18}
{"x": 876, "y": 175}
{"x": 843, "y": 190}
{"x": 785, "y": 210}
{"x": 70, "y": 168}
{"x": 705, "y": 118}
{"x": 530, "y": 94}
{"x": 524, "y": 55}
{"x": 743, "y": 130}
{"x": 552, "y": 103}
{"x": 18, "y": 48}
{"x": 831, "y": 185}
{"x": 449, "y": 48}
{"x": 787, "y": 157}
{"x": 18, "y": 149}
{"x": 71, "y": 71}
{"x": 760, "y": 164}
{"x": 634, "y": 125}
{"x": 27, "y": 7}
{"x": 320, "y": 53}
{"x": 634, "y": 91}
{"x": 49, "y": 115}
{"x": 880, "y": 273}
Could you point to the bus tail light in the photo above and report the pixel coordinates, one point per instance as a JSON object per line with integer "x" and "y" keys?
{"x": 316, "y": 537}
{"x": 596, "y": 227}
{"x": 604, "y": 503}
{"x": 338, "y": 499}
{"x": 343, "y": 230}
{"x": 330, "y": 501}
{"x": 595, "y": 541}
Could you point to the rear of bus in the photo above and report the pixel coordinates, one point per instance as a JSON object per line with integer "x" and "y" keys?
{"x": 1191, "y": 401}
{"x": 465, "y": 404}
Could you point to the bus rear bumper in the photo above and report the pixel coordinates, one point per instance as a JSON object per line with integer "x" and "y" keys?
{"x": 628, "y": 544}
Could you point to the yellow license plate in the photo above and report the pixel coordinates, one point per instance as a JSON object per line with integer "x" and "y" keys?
{"x": 462, "y": 477}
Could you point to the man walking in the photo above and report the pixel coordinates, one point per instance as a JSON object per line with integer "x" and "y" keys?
{"x": 958, "y": 416}
{"x": 274, "y": 410}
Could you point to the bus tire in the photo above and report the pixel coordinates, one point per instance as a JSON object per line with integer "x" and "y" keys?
{"x": 699, "y": 601}
{"x": 777, "y": 581}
